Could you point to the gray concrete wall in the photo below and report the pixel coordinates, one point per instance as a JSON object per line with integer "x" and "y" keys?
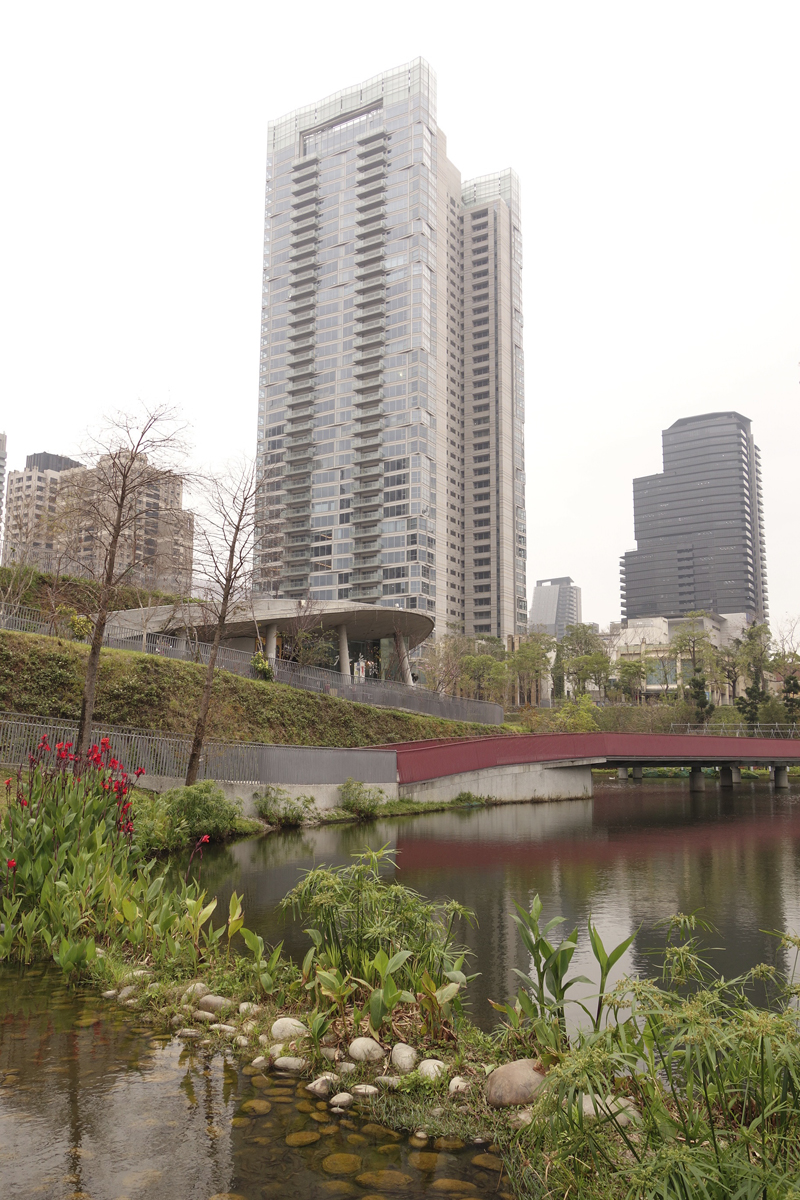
{"x": 512, "y": 784}
{"x": 325, "y": 794}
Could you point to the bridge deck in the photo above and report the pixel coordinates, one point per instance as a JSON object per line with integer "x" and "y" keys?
{"x": 418, "y": 761}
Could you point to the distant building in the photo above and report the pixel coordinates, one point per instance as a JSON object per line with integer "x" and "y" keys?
{"x": 2, "y": 473}
{"x": 556, "y": 604}
{"x": 391, "y": 398}
{"x": 699, "y": 525}
{"x": 156, "y": 547}
{"x": 30, "y": 510}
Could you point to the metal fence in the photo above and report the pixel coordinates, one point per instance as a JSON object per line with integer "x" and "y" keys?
{"x": 163, "y": 755}
{"x": 382, "y": 693}
{"x": 740, "y": 729}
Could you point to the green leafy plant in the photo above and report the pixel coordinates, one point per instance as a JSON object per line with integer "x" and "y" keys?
{"x": 262, "y": 667}
{"x": 360, "y": 800}
{"x": 277, "y": 807}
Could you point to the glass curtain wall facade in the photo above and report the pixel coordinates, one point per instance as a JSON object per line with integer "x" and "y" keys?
{"x": 391, "y": 390}
{"x": 699, "y": 525}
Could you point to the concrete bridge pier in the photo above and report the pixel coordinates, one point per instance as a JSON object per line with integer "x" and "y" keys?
{"x": 637, "y": 772}
{"x": 622, "y": 773}
{"x": 697, "y": 780}
{"x": 781, "y": 776}
{"x": 728, "y": 776}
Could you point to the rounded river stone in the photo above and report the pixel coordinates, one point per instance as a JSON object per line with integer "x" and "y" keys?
{"x": 341, "y": 1164}
{"x": 385, "y": 1181}
{"x": 306, "y": 1137}
{"x": 258, "y": 1106}
{"x": 455, "y": 1187}
{"x": 487, "y": 1162}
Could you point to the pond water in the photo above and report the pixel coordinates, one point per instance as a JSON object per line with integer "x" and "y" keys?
{"x": 94, "y": 1107}
{"x": 630, "y": 857}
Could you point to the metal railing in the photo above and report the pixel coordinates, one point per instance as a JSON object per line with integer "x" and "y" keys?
{"x": 167, "y": 756}
{"x": 741, "y": 729}
{"x": 383, "y": 693}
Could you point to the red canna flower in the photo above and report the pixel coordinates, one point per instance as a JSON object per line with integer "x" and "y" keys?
{"x": 8, "y": 783}
{"x": 11, "y": 863}
{"x": 105, "y": 744}
{"x": 205, "y": 838}
{"x": 139, "y": 771}
{"x": 24, "y": 803}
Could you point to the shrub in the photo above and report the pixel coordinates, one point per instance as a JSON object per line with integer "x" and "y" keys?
{"x": 362, "y": 801}
{"x": 262, "y": 667}
{"x": 277, "y": 807}
{"x": 180, "y": 816}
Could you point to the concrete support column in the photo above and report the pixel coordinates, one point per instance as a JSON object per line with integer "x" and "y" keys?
{"x": 781, "y": 776}
{"x": 697, "y": 780}
{"x": 405, "y": 666}
{"x": 622, "y": 773}
{"x": 736, "y": 774}
{"x": 344, "y": 651}
{"x": 726, "y": 777}
{"x": 271, "y": 641}
{"x": 637, "y": 772}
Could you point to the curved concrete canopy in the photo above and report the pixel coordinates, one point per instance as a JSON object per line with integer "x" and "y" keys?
{"x": 364, "y": 622}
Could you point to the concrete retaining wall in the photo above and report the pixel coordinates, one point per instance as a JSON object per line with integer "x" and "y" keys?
{"x": 512, "y": 784}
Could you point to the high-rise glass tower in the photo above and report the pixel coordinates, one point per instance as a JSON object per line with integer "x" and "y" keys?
{"x": 699, "y": 525}
{"x": 391, "y": 397}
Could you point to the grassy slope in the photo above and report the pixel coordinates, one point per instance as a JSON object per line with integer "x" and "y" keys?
{"x": 42, "y": 590}
{"x": 45, "y": 676}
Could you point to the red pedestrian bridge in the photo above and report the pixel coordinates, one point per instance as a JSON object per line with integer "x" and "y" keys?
{"x": 559, "y": 765}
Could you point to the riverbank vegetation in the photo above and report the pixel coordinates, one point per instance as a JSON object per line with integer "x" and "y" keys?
{"x": 682, "y": 1086}
{"x": 44, "y": 676}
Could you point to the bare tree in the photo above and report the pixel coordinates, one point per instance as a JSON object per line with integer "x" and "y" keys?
{"x": 224, "y": 561}
{"x": 107, "y": 502}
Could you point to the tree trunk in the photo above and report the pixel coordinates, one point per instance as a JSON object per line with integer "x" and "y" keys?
{"x": 84, "y": 738}
{"x": 205, "y": 699}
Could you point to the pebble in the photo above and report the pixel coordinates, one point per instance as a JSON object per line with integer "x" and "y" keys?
{"x": 364, "y": 1049}
{"x": 522, "y": 1117}
{"x": 385, "y": 1181}
{"x": 431, "y": 1068}
{"x": 294, "y": 1065}
{"x": 418, "y": 1140}
{"x": 322, "y": 1085}
{"x": 306, "y": 1137}
{"x": 140, "y": 973}
{"x": 259, "y": 1062}
{"x": 381, "y": 1133}
{"x": 194, "y": 992}
{"x": 218, "y": 1028}
{"x": 404, "y": 1058}
{"x": 448, "y": 1143}
{"x": 362, "y": 1090}
{"x": 213, "y": 1004}
{"x": 346, "y": 1068}
{"x": 175, "y": 1021}
{"x": 488, "y": 1162}
{"x": 329, "y": 1053}
{"x": 247, "y": 1006}
{"x": 276, "y": 1050}
{"x": 341, "y": 1164}
{"x": 200, "y": 1014}
{"x": 248, "y": 1026}
{"x": 423, "y": 1160}
{"x": 111, "y": 995}
{"x": 126, "y": 992}
{"x": 454, "y": 1187}
{"x": 388, "y": 1081}
{"x": 341, "y": 1100}
{"x": 189, "y": 1035}
{"x": 241, "y": 1041}
{"x": 257, "y": 1105}
{"x": 338, "y": 1187}
{"x": 458, "y": 1084}
{"x": 288, "y": 1027}
{"x": 263, "y": 1039}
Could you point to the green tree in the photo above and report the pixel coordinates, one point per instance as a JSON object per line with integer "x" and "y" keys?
{"x": 791, "y": 698}
{"x": 531, "y": 664}
{"x": 755, "y": 651}
{"x": 476, "y": 671}
{"x": 750, "y": 703}
{"x": 696, "y": 695}
{"x": 693, "y": 641}
{"x": 578, "y": 646}
{"x": 631, "y": 674}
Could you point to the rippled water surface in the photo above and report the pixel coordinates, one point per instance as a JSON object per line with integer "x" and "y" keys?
{"x": 94, "y": 1107}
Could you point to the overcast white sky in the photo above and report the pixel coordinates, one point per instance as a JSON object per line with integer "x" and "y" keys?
{"x": 657, "y": 147}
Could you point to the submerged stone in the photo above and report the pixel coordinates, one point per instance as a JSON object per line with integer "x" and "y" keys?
{"x": 341, "y": 1164}
{"x": 385, "y": 1181}
{"x": 305, "y": 1137}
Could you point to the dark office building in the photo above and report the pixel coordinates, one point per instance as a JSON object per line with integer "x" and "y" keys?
{"x": 699, "y": 525}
